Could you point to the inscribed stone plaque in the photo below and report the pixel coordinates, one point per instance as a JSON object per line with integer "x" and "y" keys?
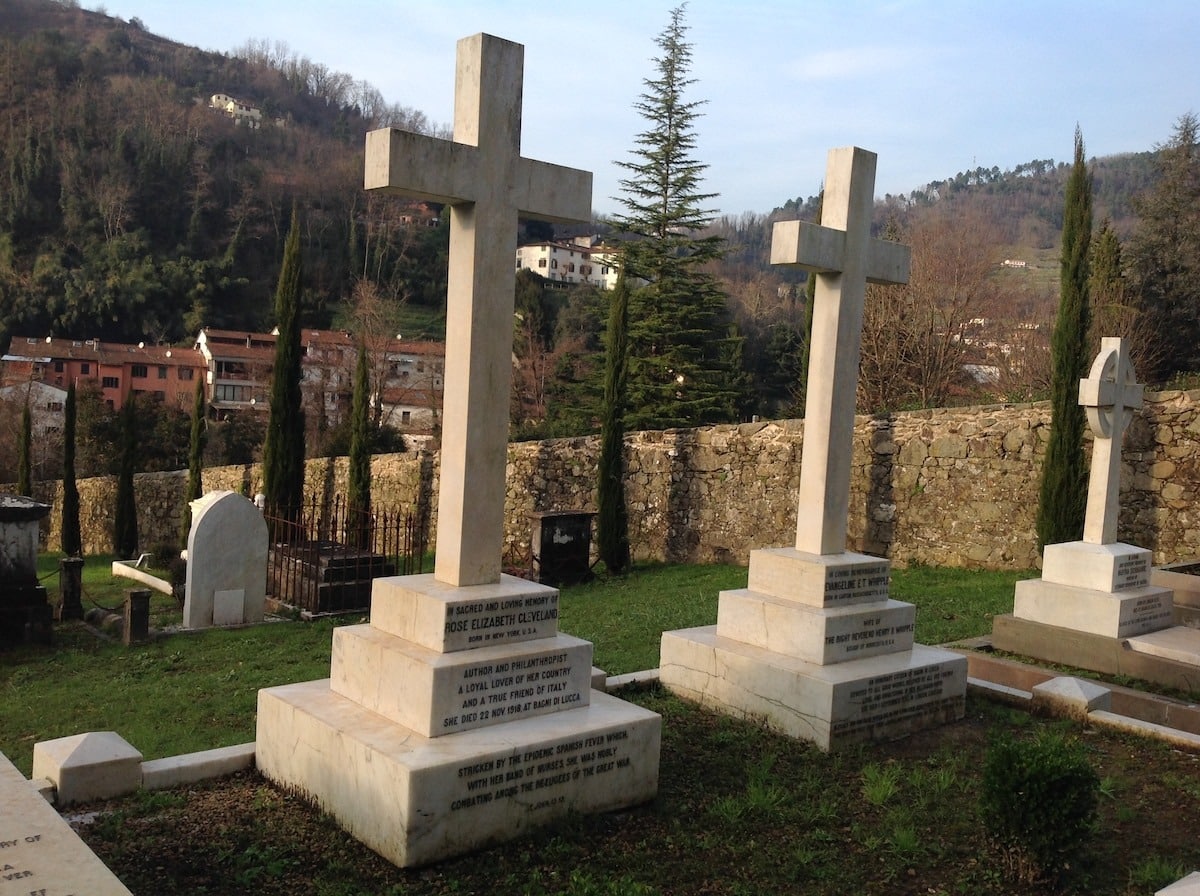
{"x": 229, "y": 607}
{"x": 39, "y": 853}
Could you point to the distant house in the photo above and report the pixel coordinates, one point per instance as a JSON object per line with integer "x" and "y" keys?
{"x": 162, "y": 372}
{"x": 575, "y": 262}
{"x": 45, "y": 405}
{"x": 407, "y": 375}
{"x": 240, "y": 111}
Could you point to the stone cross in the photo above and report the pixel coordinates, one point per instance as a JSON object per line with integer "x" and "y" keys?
{"x": 487, "y": 184}
{"x": 845, "y": 258}
{"x": 1110, "y": 393}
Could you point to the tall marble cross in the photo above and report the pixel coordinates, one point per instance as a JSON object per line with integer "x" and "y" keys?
{"x": 1110, "y": 393}
{"x": 487, "y": 184}
{"x": 845, "y": 258}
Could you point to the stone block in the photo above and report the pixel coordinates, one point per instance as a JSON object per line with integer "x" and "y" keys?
{"x": 1122, "y": 614}
{"x": 1178, "y": 643}
{"x": 447, "y": 618}
{"x": 1188, "y": 886}
{"x": 1071, "y": 697}
{"x": 160, "y": 774}
{"x": 92, "y": 766}
{"x": 1101, "y": 567}
{"x": 819, "y": 580}
{"x": 229, "y": 607}
{"x": 434, "y": 693}
{"x": 39, "y": 852}
{"x": 416, "y": 800}
{"x": 834, "y": 635}
{"x": 832, "y": 706}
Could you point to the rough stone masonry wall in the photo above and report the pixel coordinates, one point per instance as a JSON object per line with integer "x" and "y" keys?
{"x": 952, "y": 487}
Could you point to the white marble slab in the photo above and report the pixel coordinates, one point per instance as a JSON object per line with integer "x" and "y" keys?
{"x": 39, "y": 853}
{"x": 446, "y": 617}
{"x": 438, "y": 693}
{"x": 1121, "y": 614}
{"x": 92, "y": 766}
{"x": 1101, "y": 567}
{"x": 1180, "y": 643}
{"x": 832, "y": 706}
{"x": 833, "y": 635}
{"x": 819, "y": 580}
{"x": 416, "y": 800}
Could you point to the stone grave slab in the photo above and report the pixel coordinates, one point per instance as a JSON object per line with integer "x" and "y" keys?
{"x": 415, "y": 800}
{"x": 39, "y": 853}
{"x": 814, "y": 645}
{"x": 1188, "y": 886}
{"x": 229, "y": 607}
{"x": 1120, "y": 614}
{"x": 227, "y": 551}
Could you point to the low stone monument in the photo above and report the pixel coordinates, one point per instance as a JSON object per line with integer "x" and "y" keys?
{"x": 814, "y": 645}
{"x": 25, "y": 612}
{"x": 1095, "y": 600}
{"x": 226, "y": 562}
{"x": 460, "y": 716}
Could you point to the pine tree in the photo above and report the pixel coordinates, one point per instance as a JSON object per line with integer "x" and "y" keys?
{"x": 1063, "y": 498}
{"x": 195, "y": 461}
{"x": 283, "y": 448}
{"x": 681, "y": 346}
{"x": 358, "y": 503}
{"x": 25, "y": 454}
{"x": 72, "y": 537}
{"x": 1164, "y": 254}
{"x": 125, "y": 527}
{"x": 612, "y": 518}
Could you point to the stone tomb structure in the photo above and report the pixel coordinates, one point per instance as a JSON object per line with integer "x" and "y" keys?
{"x": 1095, "y": 601}
{"x": 25, "y": 612}
{"x": 813, "y": 644}
{"x": 227, "y": 562}
{"x": 461, "y": 716}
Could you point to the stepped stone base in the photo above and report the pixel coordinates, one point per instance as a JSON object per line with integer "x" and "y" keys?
{"x": 1120, "y": 614}
{"x": 416, "y": 800}
{"x": 831, "y": 705}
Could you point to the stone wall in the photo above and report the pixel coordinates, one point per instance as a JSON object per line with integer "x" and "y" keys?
{"x": 951, "y": 487}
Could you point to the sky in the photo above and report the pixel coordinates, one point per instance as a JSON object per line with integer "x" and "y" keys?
{"x": 934, "y": 87}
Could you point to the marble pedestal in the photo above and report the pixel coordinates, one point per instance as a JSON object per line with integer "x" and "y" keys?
{"x": 815, "y": 648}
{"x": 457, "y": 719}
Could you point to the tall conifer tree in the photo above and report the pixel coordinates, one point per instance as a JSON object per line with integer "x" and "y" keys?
{"x": 283, "y": 448}
{"x": 358, "y": 503}
{"x": 195, "y": 461}
{"x": 72, "y": 538}
{"x": 612, "y": 518}
{"x": 682, "y": 350}
{"x": 1063, "y": 498}
{"x": 25, "y": 454}
{"x": 125, "y": 526}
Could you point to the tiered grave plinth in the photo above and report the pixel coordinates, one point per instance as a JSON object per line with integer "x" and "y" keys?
{"x": 816, "y": 648}
{"x": 460, "y": 717}
{"x": 1094, "y": 607}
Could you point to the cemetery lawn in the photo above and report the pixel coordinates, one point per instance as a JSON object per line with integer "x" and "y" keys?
{"x": 195, "y": 691}
{"x": 740, "y": 812}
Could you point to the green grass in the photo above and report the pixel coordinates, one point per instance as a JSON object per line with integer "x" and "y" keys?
{"x": 196, "y": 691}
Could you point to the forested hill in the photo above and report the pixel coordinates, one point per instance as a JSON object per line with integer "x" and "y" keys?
{"x": 130, "y": 210}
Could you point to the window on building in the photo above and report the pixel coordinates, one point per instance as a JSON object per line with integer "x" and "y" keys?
{"x": 405, "y": 416}
{"x": 554, "y": 264}
{"x": 162, "y": 372}
{"x": 139, "y": 371}
{"x": 228, "y": 392}
{"x": 186, "y": 373}
{"x": 541, "y": 262}
{"x": 85, "y": 368}
{"x": 110, "y": 382}
{"x": 54, "y": 405}
{"x": 58, "y": 366}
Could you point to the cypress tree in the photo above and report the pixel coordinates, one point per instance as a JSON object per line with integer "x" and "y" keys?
{"x": 612, "y": 518}
{"x": 25, "y": 454}
{"x": 283, "y": 448}
{"x": 125, "y": 527}
{"x": 72, "y": 538}
{"x": 358, "y": 502}
{"x": 195, "y": 461}
{"x": 1063, "y": 499}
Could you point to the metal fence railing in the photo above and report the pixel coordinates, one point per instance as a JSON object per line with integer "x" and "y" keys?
{"x": 323, "y": 558}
